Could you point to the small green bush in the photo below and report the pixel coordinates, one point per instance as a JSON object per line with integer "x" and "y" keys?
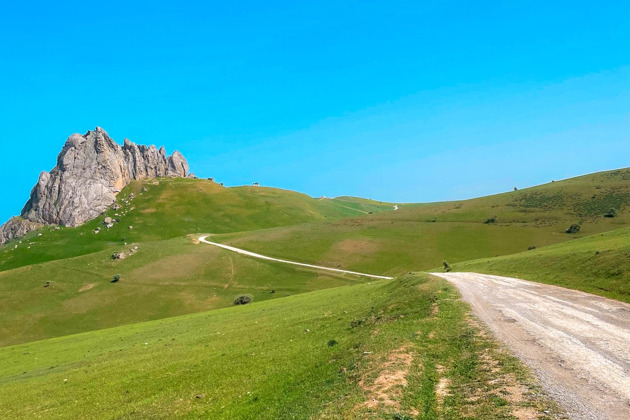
{"x": 574, "y": 228}
{"x": 116, "y": 278}
{"x": 243, "y": 299}
{"x": 611, "y": 213}
{"x": 332, "y": 343}
{"x": 491, "y": 220}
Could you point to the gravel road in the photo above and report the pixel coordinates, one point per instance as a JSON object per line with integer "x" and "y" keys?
{"x": 204, "y": 239}
{"x": 577, "y": 343}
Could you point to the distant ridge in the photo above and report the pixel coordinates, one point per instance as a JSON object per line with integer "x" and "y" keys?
{"x": 91, "y": 169}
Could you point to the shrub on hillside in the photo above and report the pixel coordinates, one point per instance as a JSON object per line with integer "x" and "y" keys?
{"x": 447, "y": 267}
{"x": 574, "y": 228}
{"x": 116, "y": 278}
{"x": 243, "y": 299}
{"x": 611, "y": 213}
{"x": 491, "y": 219}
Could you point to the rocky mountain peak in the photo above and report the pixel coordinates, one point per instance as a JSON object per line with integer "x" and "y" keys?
{"x": 91, "y": 169}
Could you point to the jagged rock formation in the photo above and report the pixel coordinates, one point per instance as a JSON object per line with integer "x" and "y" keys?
{"x": 91, "y": 169}
{"x": 16, "y": 227}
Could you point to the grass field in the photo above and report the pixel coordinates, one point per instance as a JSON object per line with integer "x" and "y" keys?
{"x": 382, "y": 350}
{"x": 313, "y": 344}
{"x": 598, "y": 264}
{"x": 171, "y": 208}
{"x": 170, "y": 275}
{"x": 420, "y": 237}
{"x": 162, "y": 279}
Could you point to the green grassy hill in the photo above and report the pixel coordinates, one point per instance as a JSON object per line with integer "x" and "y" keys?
{"x": 411, "y": 334}
{"x": 170, "y": 208}
{"x": 420, "y": 237}
{"x": 383, "y": 350}
{"x": 170, "y": 275}
{"x": 598, "y": 264}
{"x": 162, "y": 279}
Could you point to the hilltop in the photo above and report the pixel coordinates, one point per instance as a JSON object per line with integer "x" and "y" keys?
{"x": 91, "y": 170}
{"x": 421, "y": 236}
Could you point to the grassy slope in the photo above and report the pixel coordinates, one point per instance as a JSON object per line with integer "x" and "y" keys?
{"x": 276, "y": 359}
{"x": 176, "y": 207}
{"x": 163, "y": 279}
{"x": 171, "y": 276}
{"x": 420, "y": 237}
{"x": 598, "y": 264}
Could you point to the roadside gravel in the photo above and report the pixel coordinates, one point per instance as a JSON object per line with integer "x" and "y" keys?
{"x": 577, "y": 343}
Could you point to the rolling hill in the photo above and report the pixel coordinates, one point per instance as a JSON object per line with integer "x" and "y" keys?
{"x": 170, "y": 275}
{"x": 420, "y": 237}
{"x": 379, "y": 350}
{"x": 167, "y": 208}
{"x": 598, "y": 264}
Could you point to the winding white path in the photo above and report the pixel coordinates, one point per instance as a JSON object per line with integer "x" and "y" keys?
{"x": 204, "y": 240}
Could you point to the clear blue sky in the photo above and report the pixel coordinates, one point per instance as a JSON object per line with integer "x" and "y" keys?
{"x": 391, "y": 100}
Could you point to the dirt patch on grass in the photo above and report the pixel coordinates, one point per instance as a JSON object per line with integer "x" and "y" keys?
{"x": 87, "y": 287}
{"x": 194, "y": 302}
{"x": 355, "y": 246}
{"x": 517, "y": 395}
{"x": 479, "y": 330}
{"x": 386, "y": 389}
{"x": 148, "y": 211}
{"x": 169, "y": 268}
{"x": 441, "y": 389}
{"x": 488, "y": 362}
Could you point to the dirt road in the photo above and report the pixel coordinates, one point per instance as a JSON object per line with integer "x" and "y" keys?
{"x": 577, "y": 343}
{"x": 204, "y": 239}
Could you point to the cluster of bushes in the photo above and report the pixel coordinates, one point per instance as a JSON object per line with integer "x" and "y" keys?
{"x": 243, "y": 299}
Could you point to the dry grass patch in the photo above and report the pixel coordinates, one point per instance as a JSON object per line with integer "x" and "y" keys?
{"x": 87, "y": 287}
{"x": 355, "y": 246}
{"x": 442, "y": 387}
{"x": 169, "y": 268}
{"x": 385, "y": 390}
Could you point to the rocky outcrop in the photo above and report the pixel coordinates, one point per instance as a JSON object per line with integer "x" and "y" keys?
{"x": 16, "y": 227}
{"x": 91, "y": 169}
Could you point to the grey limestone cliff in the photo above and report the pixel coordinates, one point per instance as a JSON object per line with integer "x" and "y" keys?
{"x": 16, "y": 227}
{"x": 91, "y": 169}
